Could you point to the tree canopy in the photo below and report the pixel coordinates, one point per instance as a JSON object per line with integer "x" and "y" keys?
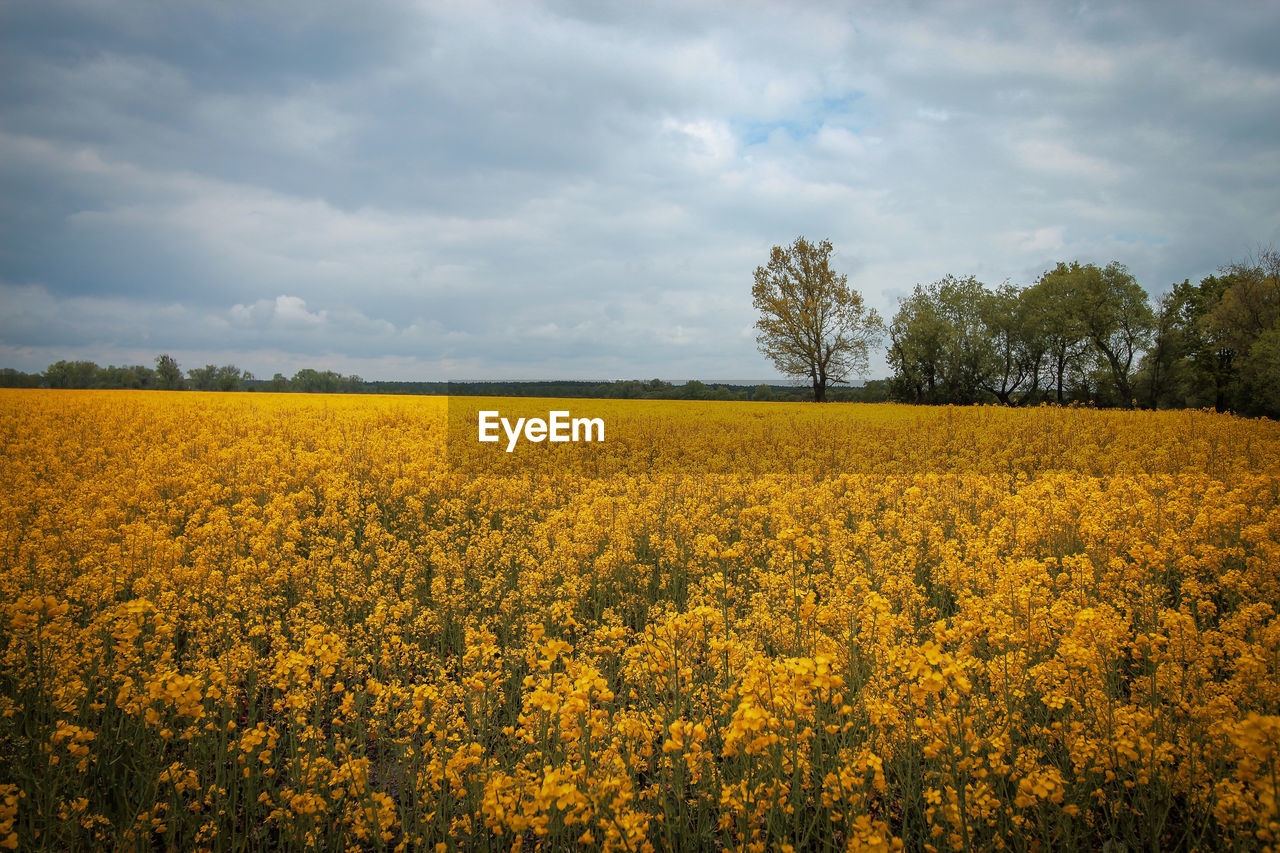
{"x": 812, "y": 325}
{"x": 1084, "y": 333}
{"x": 1079, "y": 327}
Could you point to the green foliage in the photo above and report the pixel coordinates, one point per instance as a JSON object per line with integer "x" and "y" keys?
{"x": 941, "y": 349}
{"x": 1243, "y": 322}
{"x": 10, "y": 378}
{"x": 168, "y": 374}
{"x": 133, "y": 376}
{"x": 72, "y": 374}
{"x": 1051, "y": 320}
{"x": 1111, "y": 312}
{"x": 812, "y": 325}
{"x": 1077, "y": 332}
{"x": 1089, "y": 334}
{"x": 228, "y": 377}
{"x": 1214, "y": 342}
{"x": 1208, "y": 360}
{"x": 1264, "y": 371}
{"x": 311, "y": 381}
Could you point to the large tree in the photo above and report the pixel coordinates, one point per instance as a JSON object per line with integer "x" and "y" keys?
{"x": 1245, "y": 321}
{"x": 1015, "y": 356}
{"x": 1118, "y": 318}
{"x": 72, "y": 374}
{"x": 917, "y": 349}
{"x": 214, "y": 378}
{"x": 1104, "y": 308}
{"x": 168, "y": 374}
{"x": 812, "y": 324}
{"x": 955, "y": 341}
{"x": 1052, "y": 322}
{"x": 1165, "y": 361}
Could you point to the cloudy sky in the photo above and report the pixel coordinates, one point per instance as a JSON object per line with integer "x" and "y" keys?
{"x": 411, "y": 190}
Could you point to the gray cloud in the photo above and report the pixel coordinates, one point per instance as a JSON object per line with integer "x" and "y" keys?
{"x": 561, "y": 189}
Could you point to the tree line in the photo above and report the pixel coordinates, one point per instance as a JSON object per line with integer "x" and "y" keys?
{"x": 1089, "y": 334}
{"x": 166, "y": 375}
{"x": 1080, "y": 334}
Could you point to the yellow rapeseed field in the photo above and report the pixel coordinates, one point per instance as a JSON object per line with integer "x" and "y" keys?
{"x": 250, "y": 622}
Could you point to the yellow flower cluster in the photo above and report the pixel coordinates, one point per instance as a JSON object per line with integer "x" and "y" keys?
{"x": 260, "y": 621}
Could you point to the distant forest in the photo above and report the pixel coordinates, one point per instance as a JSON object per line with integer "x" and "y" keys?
{"x": 168, "y": 376}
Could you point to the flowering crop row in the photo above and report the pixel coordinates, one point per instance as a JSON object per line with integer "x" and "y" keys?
{"x": 285, "y": 622}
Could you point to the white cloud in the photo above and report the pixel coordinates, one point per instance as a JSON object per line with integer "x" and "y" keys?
{"x": 1043, "y": 240}
{"x": 282, "y": 311}
{"x": 1050, "y": 156}
{"x": 707, "y": 145}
